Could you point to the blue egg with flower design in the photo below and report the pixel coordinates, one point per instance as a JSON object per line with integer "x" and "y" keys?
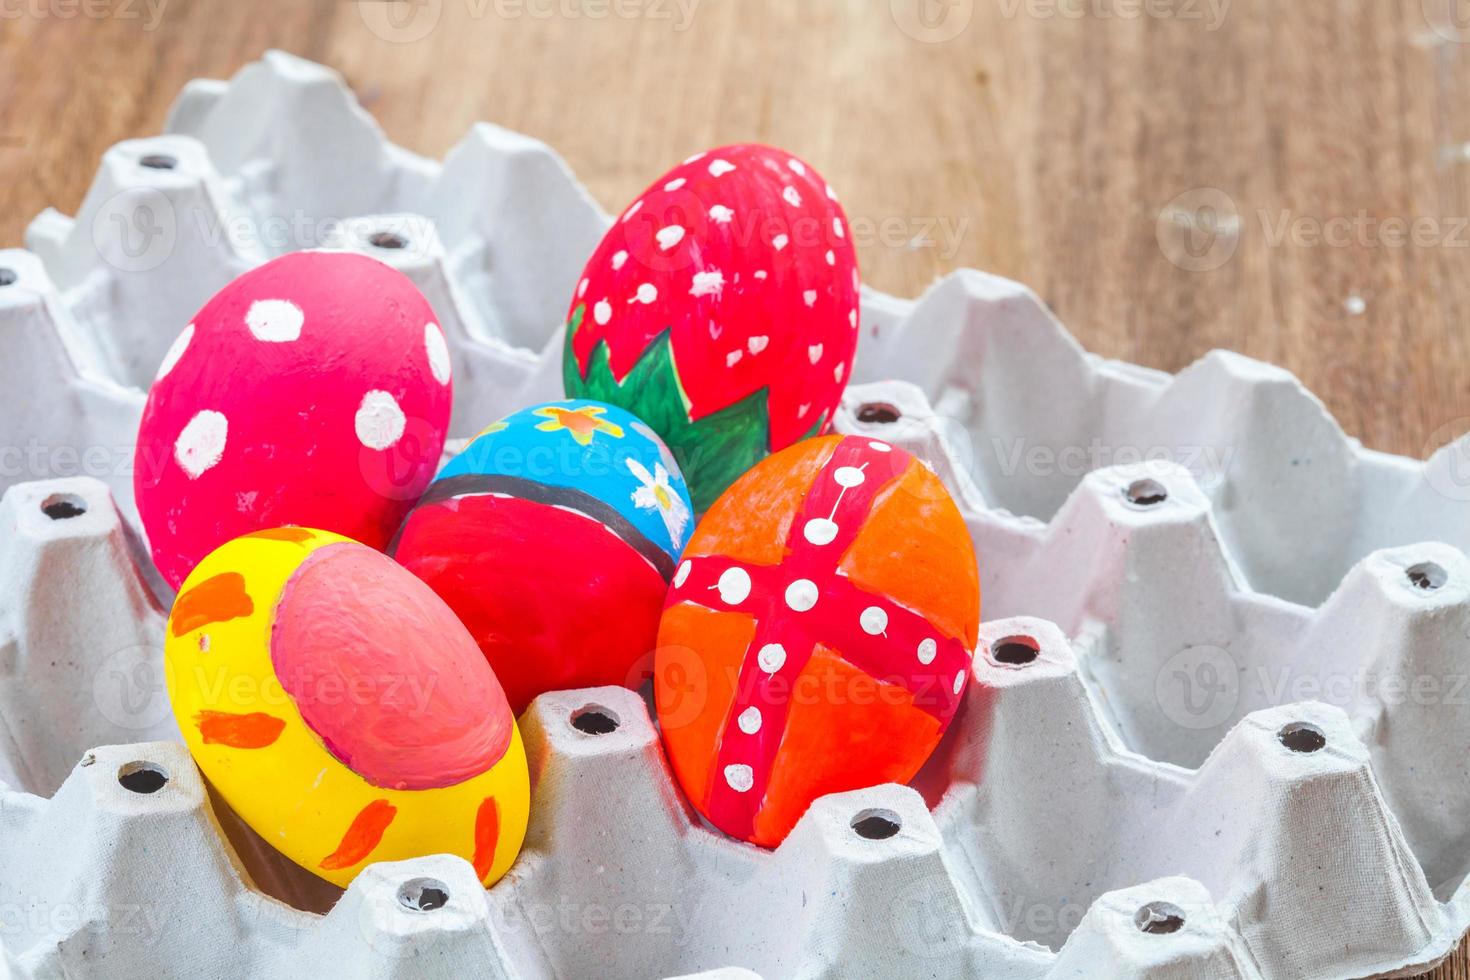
{"x": 553, "y": 536}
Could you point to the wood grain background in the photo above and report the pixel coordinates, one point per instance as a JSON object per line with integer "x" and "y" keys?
{"x": 1286, "y": 179}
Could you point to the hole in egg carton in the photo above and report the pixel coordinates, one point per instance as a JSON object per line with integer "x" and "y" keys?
{"x": 1016, "y": 651}
{"x": 63, "y": 506}
{"x": 1146, "y": 493}
{"x": 1159, "y": 918}
{"x": 876, "y": 824}
{"x": 390, "y": 240}
{"x": 880, "y": 413}
{"x": 1427, "y": 576}
{"x": 594, "y": 719}
{"x": 423, "y": 894}
{"x": 143, "y": 778}
{"x": 1303, "y": 737}
{"x": 8, "y": 277}
{"x": 159, "y": 161}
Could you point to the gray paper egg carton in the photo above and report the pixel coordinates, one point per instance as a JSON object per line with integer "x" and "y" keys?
{"x": 1249, "y": 760}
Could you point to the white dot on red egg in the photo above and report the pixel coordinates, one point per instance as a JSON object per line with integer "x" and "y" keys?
{"x": 796, "y": 166}
{"x": 848, "y": 476}
{"x": 201, "y": 444}
{"x": 734, "y": 585}
{"x": 633, "y": 210}
{"x": 801, "y": 595}
{"x": 881, "y": 447}
{"x": 750, "y": 720}
{"x": 810, "y": 297}
{"x": 619, "y": 259}
{"x": 740, "y": 778}
{"x": 275, "y": 321}
{"x": 670, "y": 236}
{"x": 959, "y": 681}
{"x": 732, "y": 358}
{"x": 780, "y": 242}
{"x": 801, "y": 412}
{"x": 852, "y": 319}
{"x": 718, "y": 168}
{"x": 814, "y": 353}
{"x": 873, "y": 620}
{"x": 772, "y": 657}
{"x": 762, "y": 274}
{"x": 675, "y": 184}
{"x": 710, "y": 283}
{"x": 682, "y": 575}
{"x": 757, "y": 344}
{"x": 820, "y": 531}
{"x": 696, "y": 158}
{"x": 838, "y": 229}
{"x": 831, "y": 257}
{"x": 831, "y": 193}
{"x": 438, "y": 352}
{"x": 647, "y": 293}
{"x": 602, "y": 312}
{"x": 792, "y": 196}
{"x": 175, "y": 352}
{"x": 721, "y": 214}
{"x": 837, "y": 373}
{"x": 379, "y": 421}
{"x": 928, "y": 650}
{"x": 582, "y": 288}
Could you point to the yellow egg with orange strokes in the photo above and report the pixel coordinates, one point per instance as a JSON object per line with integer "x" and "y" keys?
{"x": 341, "y": 709}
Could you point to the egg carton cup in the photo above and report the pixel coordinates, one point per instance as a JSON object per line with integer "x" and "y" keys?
{"x": 1249, "y": 760}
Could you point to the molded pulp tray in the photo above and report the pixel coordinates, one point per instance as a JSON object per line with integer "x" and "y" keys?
{"x": 1249, "y": 760}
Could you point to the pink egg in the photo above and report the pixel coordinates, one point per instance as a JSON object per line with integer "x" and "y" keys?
{"x": 314, "y": 390}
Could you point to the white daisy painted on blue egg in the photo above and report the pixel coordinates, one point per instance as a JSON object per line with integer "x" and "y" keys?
{"x": 655, "y": 493}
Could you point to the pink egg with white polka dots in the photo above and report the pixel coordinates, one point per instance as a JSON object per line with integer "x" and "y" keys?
{"x": 314, "y": 390}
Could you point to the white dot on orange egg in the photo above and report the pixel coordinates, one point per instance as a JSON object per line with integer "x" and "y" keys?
{"x": 772, "y": 657}
{"x": 740, "y": 778}
{"x": 801, "y": 595}
{"x": 734, "y": 586}
{"x": 275, "y": 321}
{"x": 379, "y": 421}
{"x": 820, "y": 531}
{"x": 201, "y": 444}
{"x": 175, "y": 352}
{"x": 682, "y": 575}
{"x": 873, "y": 620}
{"x": 438, "y": 352}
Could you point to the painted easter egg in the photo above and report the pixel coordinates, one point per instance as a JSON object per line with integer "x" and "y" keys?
{"x": 341, "y": 710}
{"x": 818, "y": 635}
{"x": 313, "y": 390}
{"x": 722, "y": 309}
{"x": 553, "y": 536}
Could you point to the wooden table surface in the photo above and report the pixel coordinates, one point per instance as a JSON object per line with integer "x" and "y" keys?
{"x": 1287, "y": 179}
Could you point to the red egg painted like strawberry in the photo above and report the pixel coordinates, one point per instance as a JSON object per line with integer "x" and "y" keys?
{"x": 314, "y": 390}
{"x": 721, "y": 308}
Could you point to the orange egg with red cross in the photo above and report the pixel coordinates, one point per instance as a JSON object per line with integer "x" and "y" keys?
{"x": 342, "y": 710}
{"x": 818, "y": 635}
